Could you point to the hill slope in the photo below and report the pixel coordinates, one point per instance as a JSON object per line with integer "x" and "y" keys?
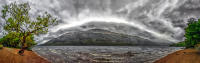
{"x": 98, "y": 37}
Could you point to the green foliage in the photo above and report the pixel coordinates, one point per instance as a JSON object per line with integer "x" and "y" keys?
{"x": 1, "y": 46}
{"x": 10, "y": 40}
{"x": 192, "y": 34}
{"x": 13, "y": 40}
{"x": 21, "y": 28}
{"x": 180, "y": 44}
{"x": 17, "y": 19}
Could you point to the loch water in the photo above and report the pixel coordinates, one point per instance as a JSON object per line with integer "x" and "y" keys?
{"x": 104, "y": 54}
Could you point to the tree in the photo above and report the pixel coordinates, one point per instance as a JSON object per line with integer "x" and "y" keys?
{"x": 17, "y": 20}
{"x": 192, "y": 33}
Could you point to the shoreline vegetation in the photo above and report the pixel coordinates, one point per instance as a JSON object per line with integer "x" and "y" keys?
{"x": 191, "y": 53}
{"x": 179, "y": 44}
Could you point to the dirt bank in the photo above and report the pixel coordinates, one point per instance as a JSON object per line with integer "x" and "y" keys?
{"x": 9, "y": 55}
{"x": 182, "y": 56}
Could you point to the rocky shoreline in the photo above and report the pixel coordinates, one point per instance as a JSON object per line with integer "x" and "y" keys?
{"x": 107, "y": 54}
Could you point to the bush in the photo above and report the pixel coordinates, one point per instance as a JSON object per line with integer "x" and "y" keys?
{"x": 30, "y": 45}
{"x": 14, "y": 40}
{"x": 1, "y": 46}
{"x": 197, "y": 47}
{"x": 11, "y": 40}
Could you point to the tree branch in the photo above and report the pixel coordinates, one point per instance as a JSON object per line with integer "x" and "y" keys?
{"x": 36, "y": 29}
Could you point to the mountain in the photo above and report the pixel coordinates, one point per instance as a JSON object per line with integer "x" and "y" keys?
{"x": 98, "y": 37}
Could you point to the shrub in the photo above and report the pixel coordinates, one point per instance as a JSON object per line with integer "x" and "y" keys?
{"x": 197, "y": 47}
{"x": 14, "y": 40}
{"x": 11, "y": 40}
{"x": 1, "y": 46}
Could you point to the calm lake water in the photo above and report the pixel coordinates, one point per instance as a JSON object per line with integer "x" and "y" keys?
{"x": 104, "y": 54}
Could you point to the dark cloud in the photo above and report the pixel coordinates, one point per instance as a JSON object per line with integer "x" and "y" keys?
{"x": 153, "y": 19}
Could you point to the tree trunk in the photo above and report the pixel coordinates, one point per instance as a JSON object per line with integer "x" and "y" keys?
{"x": 22, "y": 46}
